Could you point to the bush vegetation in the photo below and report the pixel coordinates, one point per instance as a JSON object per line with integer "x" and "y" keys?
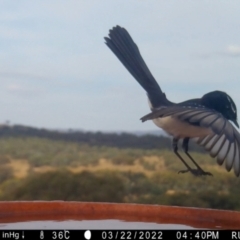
{"x": 148, "y": 176}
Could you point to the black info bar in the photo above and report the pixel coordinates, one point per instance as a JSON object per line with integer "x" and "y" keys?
{"x": 119, "y": 234}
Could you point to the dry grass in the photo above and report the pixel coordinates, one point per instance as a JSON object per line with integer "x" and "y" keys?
{"x": 105, "y": 164}
{"x": 147, "y": 165}
{"x": 21, "y": 167}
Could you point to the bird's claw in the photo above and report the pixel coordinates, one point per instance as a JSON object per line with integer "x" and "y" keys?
{"x": 196, "y": 172}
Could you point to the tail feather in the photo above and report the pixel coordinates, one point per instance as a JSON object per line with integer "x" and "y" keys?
{"x": 122, "y": 45}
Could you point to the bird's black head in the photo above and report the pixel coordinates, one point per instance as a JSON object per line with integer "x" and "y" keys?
{"x": 222, "y": 103}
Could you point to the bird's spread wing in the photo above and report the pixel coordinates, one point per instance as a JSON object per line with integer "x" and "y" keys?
{"x": 223, "y": 143}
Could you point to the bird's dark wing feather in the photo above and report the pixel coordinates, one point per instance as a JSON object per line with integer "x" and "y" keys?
{"x": 223, "y": 143}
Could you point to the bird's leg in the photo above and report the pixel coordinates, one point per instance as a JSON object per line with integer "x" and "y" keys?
{"x": 175, "y": 150}
{"x": 199, "y": 170}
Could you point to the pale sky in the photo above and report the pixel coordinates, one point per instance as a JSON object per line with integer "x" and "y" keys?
{"x": 56, "y": 72}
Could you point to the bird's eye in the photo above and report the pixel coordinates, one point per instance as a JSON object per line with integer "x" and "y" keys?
{"x": 233, "y": 108}
{"x": 231, "y": 104}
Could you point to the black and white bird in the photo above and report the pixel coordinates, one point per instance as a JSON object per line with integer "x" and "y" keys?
{"x": 205, "y": 119}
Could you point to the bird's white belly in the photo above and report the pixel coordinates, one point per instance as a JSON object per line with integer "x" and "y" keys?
{"x": 180, "y": 129}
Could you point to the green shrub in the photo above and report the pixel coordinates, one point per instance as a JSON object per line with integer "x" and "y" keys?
{"x": 64, "y": 185}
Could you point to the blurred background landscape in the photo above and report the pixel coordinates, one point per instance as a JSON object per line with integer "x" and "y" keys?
{"x": 41, "y": 164}
{"x": 69, "y": 110}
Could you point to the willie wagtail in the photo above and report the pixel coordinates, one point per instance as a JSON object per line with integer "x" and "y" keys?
{"x": 205, "y": 119}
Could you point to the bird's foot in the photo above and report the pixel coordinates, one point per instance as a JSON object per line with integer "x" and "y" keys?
{"x": 196, "y": 172}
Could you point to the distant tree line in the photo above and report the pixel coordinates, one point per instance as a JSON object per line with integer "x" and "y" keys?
{"x": 122, "y": 140}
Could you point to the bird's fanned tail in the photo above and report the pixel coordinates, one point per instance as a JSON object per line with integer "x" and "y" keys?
{"x": 122, "y": 45}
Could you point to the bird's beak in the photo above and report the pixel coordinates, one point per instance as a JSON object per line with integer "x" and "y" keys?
{"x": 236, "y": 123}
